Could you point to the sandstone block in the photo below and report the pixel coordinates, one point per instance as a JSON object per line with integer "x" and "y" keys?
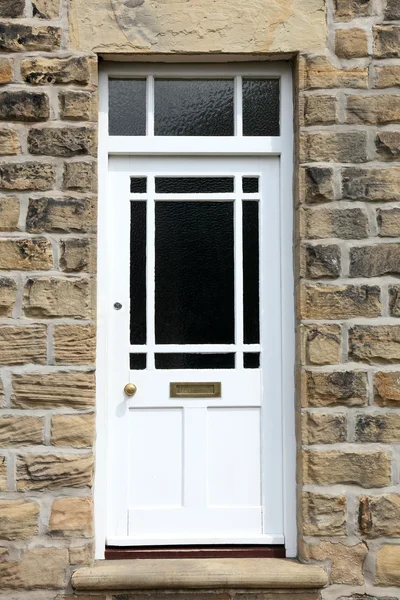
{"x": 82, "y": 555}
{"x": 320, "y": 73}
{"x": 366, "y": 469}
{"x": 379, "y": 516}
{"x": 77, "y": 106}
{"x": 339, "y": 302}
{"x": 387, "y": 76}
{"x": 18, "y": 519}
{"x": 373, "y": 110}
{"x": 27, "y": 254}
{"x": 56, "y": 297}
{"x": 9, "y": 213}
{"x": 12, "y": 8}
{"x": 394, "y": 300}
{"x": 321, "y": 344}
{"x": 26, "y": 176}
{"x": 375, "y": 344}
{"x": 73, "y": 430}
{"x": 54, "y": 71}
{"x": 346, "y": 561}
{"x": 386, "y": 41}
{"x": 63, "y": 213}
{"x": 392, "y": 10}
{"x": 46, "y": 9}
{"x": 378, "y": 428}
{"x": 345, "y": 10}
{"x": 371, "y": 184}
{"x": 71, "y": 517}
{"x": 78, "y": 254}
{"x": 80, "y": 176}
{"x": 330, "y": 146}
{"x": 322, "y": 261}
{"x": 39, "y": 568}
{"x": 20, "y": 431}
{"x": 53, "y": 471}
{"x": 320, "y": 428}
{"x": 344, "y": 223}
{"x": 3, "y": 474}
{"x": 388, "y": 145}
{"x": 24, "y": 106}
{"x": 316, "y": 184}
{"x": 9, "y": 142}
{"x": 351, "y": 43}
{"x": 25, "y": 38}
{"x": 374, "y": 261}
{"x": 348, "y": 388}
{"x": 320, "y": 110}
{"x": 62, "y": 141}
{"x": 74, "y": 344}
{"x": 22, "y": 344}
{"x": 6, "y": 74}
{"x": 387, "y": 388}
{"x": 323, "y": 514}
{"x": 8, "y": 293}
{"x": 53, "y": 390}
{"x": 388, "y": 566}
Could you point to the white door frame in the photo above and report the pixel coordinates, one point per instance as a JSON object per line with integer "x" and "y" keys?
{"x": 281, "y": 146}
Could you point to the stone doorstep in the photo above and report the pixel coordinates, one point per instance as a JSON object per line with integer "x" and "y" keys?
{"x": 189, "y": 573}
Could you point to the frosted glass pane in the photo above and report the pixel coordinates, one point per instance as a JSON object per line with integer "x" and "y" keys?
{"x": 261, "y": 107}
{"x": 127, "y": 107}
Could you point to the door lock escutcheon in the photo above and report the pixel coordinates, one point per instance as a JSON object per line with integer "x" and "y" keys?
{"x": 130, "y": 389}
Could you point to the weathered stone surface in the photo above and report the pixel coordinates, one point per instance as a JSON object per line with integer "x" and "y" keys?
{"x": 388, "y": 566}
{"x": 39, "y": 568}
{"x": 394, "y": 300}
{"x": 78, "y": 254}
{"x": 322, "y": 261}
{"x": 348, "y": 388}
{"x": 73, "y": 430}
{"x": 22, "y": 344}
{"x": 387, "y": 76}
{"x": 366, "y": 469}
{"x": 344, "y": 223}
{"x": 320, "y": 428}
{"x": 387, "y": 388}
{"x": 62, "y": 141}
{"x": 53, "y": 71}
{"x": 80, "y": 176}
{"x": 20, "y": 431}
{"x": 322, "y": 74}
{"x": 53, "y": 471}
{"x": 339, "y": 302}
{"x": 345, "y": 10}
{"x": 321, "y": 344}
{"x": 9, "y": 142}
{"x": 8, "y": 293}
{"x": 74, "y": 344}
{"x": 379, "y": 516}
{"x": 330, "y": 146}
{"x": 77, "y": 106}
{"x": 371, "y": 184}
{"x": 351, "y": 43}
{"x": 71, "y": 517}
{"x": 82, "y": 555}
{"x": 388, "y": 145}
{"x": 25, "y": 38}
{"x": 27, "y": 254}
{"x": 6, "y": 73}
{"x": 378, "y": 428}
{"x": 379, "y": 110}
{"x": 27, "y": 176}
{"x": 320, "y": 110}
{"x": 323, "y": 514}
{"x": 392, "y": 10}
{"x": 375, "y": 344}
{"x": 9, "y": 213}
{"x": 316, "y": 184}
{"x": 46, "y": 9}
{"x": 24, "y": 106}
{"x": 366, "y": 597}
{"x": 53, "y": 390}
{"x": 3, "y": 474}
{"x": 12, "y": 8}
{"x": 376, "y": 260}
{"x": 18, "y": 519}
{"x": 62, "y": 213}
{"x": 346, "y": 561}
{"x": 56, "y": 297}
{"x": 386, "y": 41}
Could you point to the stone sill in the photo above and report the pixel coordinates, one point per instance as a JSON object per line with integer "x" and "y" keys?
{"x": 203, "y": 573}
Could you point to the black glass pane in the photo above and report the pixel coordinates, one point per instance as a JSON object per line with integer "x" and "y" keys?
{"x": 138, "y": 273}
{"x": 195, "y": 361}
{"x": 137, "y": 362}
{"x": 193, "y": 107}
{"x": 138, "y": 185}
{"x": 251, "y": 294}
{"x": 250, "y": 185}
{"x": 251, "y": 360}
{"x": 127, "y": 107}
{"x": 260, "y": 106}
{"x": 194, "y": 185}
{"x": 194, "y": 273}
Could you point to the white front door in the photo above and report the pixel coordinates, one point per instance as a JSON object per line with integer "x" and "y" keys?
{"x": 194, "y": 324}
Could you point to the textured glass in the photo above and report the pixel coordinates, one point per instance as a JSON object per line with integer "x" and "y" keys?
{"x": 138, "y": 273}
{"x": 138, "y": 185}
{"x": 194, "y": 185}
{"x": 127, "y": 107}
{"x": 251, "y": 294}
{"x": 251, "y": 360}
{"x": 194, "y": 273}
{"x": 193, "y": 107}
{"x": 195, "y": 361}
{"x": 260, "y": 107}
{"x": 250, "y": 185}
{"x": 137, "y": 362}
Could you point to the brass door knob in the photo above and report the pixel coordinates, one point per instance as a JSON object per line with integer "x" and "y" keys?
{"x": 130, "y": 389}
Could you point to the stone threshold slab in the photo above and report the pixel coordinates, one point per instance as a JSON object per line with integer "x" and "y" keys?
{"x": 188, "y": 573}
